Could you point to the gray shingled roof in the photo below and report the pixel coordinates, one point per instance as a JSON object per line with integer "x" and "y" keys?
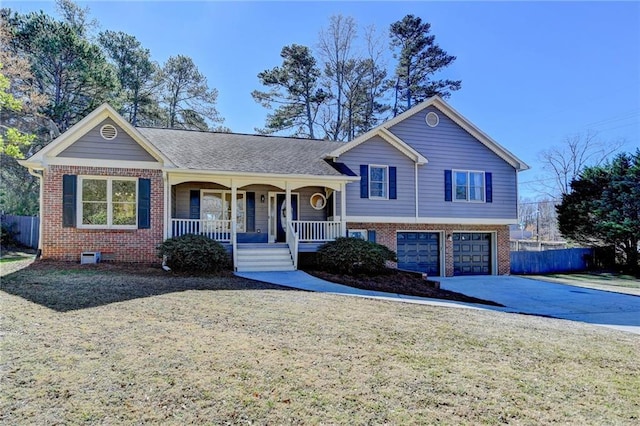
{"x": 242, "y": 153}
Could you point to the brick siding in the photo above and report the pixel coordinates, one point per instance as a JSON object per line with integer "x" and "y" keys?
{"x": 136, "y": 245}
{"x": 386, "y": 234}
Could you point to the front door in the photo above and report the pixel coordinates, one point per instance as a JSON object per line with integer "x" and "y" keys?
{"x": 281, "y": 215}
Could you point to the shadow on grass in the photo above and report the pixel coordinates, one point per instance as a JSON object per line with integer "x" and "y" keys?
{"x": 64, "y": 286}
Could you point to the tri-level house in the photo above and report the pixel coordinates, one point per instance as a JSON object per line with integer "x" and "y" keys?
{"x": 428, "y": 184}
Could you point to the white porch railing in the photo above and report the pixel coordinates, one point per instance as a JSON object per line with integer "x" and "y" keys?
{"x": 316, "y": 230}
{"x": 219, "y": 230}
{"x": 292, "y": 242}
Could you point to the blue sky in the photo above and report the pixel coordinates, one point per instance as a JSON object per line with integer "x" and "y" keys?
{"x": 532, "y": 73}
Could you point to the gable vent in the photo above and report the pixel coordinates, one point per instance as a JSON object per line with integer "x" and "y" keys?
{"x": 432, "y": 119}
{"x": 108, "y": 132}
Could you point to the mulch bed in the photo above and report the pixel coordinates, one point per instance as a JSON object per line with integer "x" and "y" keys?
{"x": 400, "y": 282}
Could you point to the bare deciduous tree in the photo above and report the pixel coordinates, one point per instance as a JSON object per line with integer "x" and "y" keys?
{"x": 335, "y": 49}
{"x": 563, "y": 163}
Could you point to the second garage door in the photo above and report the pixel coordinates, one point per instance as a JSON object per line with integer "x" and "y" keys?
{"x": 471, "y": 253}
{"x": 419, "y": 251}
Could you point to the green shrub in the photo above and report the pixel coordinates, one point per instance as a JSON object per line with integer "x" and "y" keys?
{"x": 194, "y": 253}
{"x": 8, "y": 235}
{"x": 354, "y": 256}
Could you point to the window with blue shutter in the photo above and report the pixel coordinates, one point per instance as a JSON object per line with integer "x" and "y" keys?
{"x": 467, "y": 185}
{"x": 364, "y": 181}
{"x": 393, "y": 193}
{"x": 448, "y": 186}
{"x": 69, "y": 191}
{"x": 144, "y": 203}
{"x": 371, "y": 235}
{"x": 106, "y": 202}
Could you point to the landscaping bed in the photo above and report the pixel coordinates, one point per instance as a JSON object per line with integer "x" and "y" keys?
{"x": 400, "y": 282}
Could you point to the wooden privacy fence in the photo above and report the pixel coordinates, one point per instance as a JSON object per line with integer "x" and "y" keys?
{"x": 26, "y": 227}
{"x": 550, "y": 261}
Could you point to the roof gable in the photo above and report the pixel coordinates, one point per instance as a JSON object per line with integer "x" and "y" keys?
{"x": 451, "y": 113}
{"x": 93, "y": 145}
{"x": 63, "y": 146}
{"x": 388, "y": 137}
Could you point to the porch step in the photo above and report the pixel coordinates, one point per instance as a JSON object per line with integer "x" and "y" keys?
{"x": 264, "y": 257}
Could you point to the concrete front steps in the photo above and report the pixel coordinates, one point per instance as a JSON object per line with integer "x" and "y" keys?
{"x": 264, "y": 258}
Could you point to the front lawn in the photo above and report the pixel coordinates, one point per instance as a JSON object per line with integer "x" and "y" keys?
{"x": 112, "y": 346}
{"x": 619, "y": 283}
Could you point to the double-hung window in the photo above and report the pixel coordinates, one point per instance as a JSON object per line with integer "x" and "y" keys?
{"x": 107, "y": 202}
{"x": 469, "y": 186}
{"x": 378, "y": 182}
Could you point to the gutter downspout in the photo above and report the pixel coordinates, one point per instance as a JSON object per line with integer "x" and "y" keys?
{"x": 416, "y": 186}
{"x": 40, "y": 177}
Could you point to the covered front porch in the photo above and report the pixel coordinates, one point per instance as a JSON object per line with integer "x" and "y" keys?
{"x": 256, "y": 217}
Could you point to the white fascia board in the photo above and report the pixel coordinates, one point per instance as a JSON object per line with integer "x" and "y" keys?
{"x": 388, "y": 137}
{"x": 114, "y": 164}
{"x": 177, "y": 176}
{"x": 432, "y": 220}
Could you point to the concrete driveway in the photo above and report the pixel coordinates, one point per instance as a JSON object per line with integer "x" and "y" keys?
{"x": 518, "y": 294}
{"x": 528, "y": 296}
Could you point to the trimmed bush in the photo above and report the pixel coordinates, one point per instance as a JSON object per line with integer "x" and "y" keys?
{"x": 354, "y": 256}
{"x": 8, "y": 236}
{"x": 194, "y": 253}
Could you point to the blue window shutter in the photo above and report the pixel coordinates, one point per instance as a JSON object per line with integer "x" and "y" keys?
{"x": 488, "y": 187}
{"x": 364, "y": 181}
{"x": 144, "y": 203}
{"x": 393, "y": 193}
{"x": 194, "y": 204}
{"x": 251, "y": 211}
{"x": 371, "y": 235}
{"x": 69, "y": 191}
{"x": 447, "y": 186}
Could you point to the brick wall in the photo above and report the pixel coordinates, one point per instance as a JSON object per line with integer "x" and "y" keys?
{"x": 386, "y": 234}
{"x": 137, "y": 245}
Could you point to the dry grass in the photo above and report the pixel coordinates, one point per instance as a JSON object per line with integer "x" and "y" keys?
{"x": 207, "y": 350}
{"x": 627, "y": 284}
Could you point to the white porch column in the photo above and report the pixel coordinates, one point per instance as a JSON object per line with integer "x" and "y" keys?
{"x": 234, "y": 208}
{"x": 168, "y": 225}
{"x": 343, "y": 208}
{"x": 289, "y": 210}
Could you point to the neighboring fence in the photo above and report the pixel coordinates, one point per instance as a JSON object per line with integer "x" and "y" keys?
{"x": 27, "y": 228}
{"x": 550, "y": 261}
{"x": 532, "y": 245}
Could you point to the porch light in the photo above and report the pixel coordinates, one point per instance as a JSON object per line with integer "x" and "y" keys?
{"x": 262, "y": 198}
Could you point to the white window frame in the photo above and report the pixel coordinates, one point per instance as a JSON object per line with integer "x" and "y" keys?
{"x": 357, "y": 233}
{"x": 468, "y": 186}
{"x": 224, "y": 192}
{"x": 109, "y": 224}
{"x": 386, "y": 192}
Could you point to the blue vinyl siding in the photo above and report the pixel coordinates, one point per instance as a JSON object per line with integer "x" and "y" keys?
{"x": 449, "y": 147}
{"x": 378, "y": 151}
{"x": 93, "y": 146}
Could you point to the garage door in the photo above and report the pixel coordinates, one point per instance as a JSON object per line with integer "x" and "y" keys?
{"x": 419, "y": 251}
{"x": 471, "y": 254}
